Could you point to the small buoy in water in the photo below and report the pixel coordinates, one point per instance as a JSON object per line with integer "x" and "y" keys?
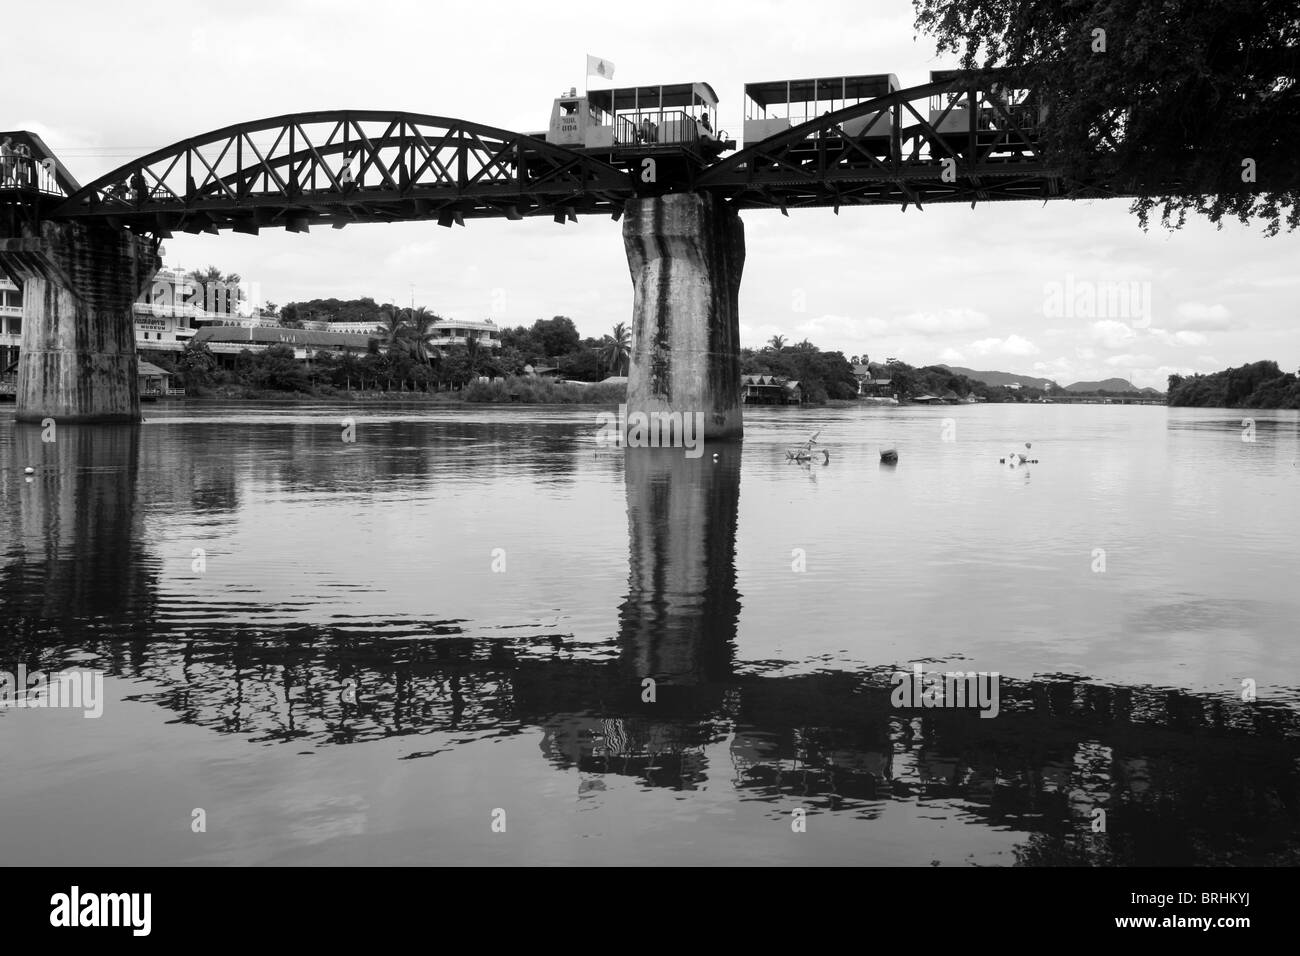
{"x": 29, "y": 471}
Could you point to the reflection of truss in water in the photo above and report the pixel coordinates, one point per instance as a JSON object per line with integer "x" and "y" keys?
{"x": 660, "y": 752}
{"x": 1197, "y": 778}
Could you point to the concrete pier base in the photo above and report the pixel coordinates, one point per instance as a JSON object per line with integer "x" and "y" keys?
{"x": 686, "y": 253}
{"x": 78, "y": 361}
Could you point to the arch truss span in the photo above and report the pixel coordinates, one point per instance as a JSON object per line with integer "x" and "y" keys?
{"x": 967, "y": 137}
{"x": 345, "y": 166}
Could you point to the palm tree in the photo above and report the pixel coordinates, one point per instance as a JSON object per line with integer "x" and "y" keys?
{"x": 615, "y": 349}
{"x": 776, "y": 343}
{"x": 393, "y": 331}
{"x": 217, "y": 291}
{"x": 420, "y": 322}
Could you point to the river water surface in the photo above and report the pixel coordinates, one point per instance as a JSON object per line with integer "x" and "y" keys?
{"x": 373, "y": 651}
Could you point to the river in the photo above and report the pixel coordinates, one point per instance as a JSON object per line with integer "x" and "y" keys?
{"x": 431, "y": 644}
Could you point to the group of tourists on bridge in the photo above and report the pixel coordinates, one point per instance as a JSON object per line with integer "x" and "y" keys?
{"x": 18, "y": 165}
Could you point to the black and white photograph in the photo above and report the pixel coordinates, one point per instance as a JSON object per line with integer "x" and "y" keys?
{"x": 857, "y": 435}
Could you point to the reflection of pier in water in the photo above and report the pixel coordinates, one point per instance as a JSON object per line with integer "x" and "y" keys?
{"x": 71, "y": 554}
{"x": 1183, "y": 778}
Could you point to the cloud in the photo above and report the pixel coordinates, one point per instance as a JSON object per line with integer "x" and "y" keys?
{"x": 1130, "y": 361}
{"x": 1182, "y": 337}
{"x": 1199, "y": 315}
{"x": 1014, "y": 345}
{"x": 1110, "y": 334}
{"x": 945, "y": 322}
{"x": 832, "y": 328}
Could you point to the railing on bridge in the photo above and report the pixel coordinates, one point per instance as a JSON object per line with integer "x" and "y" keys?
{"x": 28, "y": 168}
{"x": 26, "y": 174}
{"x": 658, "y": 128}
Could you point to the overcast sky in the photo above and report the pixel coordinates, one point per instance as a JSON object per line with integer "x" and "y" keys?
{"x": 105, "y": 83}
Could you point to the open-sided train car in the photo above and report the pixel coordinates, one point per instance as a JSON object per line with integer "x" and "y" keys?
{"x": 625, "y": 124}
{"x": 1005, "y": 116}
{"x": 774, "y": 106}
{"x": 1006, "y": 120}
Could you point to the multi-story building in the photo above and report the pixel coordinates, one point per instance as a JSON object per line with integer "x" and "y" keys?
{"x": 231, "y": 340}
{"x": 175, "y": 309}
{"x": 444, "y": 333}
{"x": 449, "y": 332}
{"x": 11, "y": 323}
{"x": 370, "y": 327}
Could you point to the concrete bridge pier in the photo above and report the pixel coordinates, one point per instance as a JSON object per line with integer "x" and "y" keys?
{"x": 78, "y": 360}
{"x": 686, "y": 252}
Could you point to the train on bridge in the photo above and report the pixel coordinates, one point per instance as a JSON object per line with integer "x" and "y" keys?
{"x": 822, "y": 141}
{"x": 680, "y": 120}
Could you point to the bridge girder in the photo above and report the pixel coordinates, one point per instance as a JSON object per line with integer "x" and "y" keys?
{"x": 345, "y": 166}
{"x": 904, "y": 155}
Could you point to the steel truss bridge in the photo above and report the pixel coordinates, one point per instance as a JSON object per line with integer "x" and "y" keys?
{"x": 342, "y": 167}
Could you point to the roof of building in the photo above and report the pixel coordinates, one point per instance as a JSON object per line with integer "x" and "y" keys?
{"x": 867, "y": 371}
{"x": 614, "y": 380}
{"x": 302, "y": 338}
{"x": 148, "y": 368}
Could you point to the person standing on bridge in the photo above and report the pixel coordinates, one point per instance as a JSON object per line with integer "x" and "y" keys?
{"x": 708, "y": 127}
{"x": 6, "y": 161}
{"x": 23, "y": 161}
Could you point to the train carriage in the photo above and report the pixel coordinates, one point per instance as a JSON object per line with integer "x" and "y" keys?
{"x": 623, "y": 125}
{"x": 774, "y": 106}
{"x": 1006, "y": 119}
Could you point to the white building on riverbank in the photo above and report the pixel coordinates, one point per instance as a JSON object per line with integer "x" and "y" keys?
{"x": 11, "y": 323}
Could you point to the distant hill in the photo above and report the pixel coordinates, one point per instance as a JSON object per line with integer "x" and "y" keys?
{"x": 1108, "y": 385}
{"x": 1002, "y": 378}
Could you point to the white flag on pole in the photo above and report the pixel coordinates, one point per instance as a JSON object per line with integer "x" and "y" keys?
{"x": 598, "y": 67}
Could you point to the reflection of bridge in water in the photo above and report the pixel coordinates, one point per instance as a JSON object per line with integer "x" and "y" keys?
{"x": 1183, "y": 778}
